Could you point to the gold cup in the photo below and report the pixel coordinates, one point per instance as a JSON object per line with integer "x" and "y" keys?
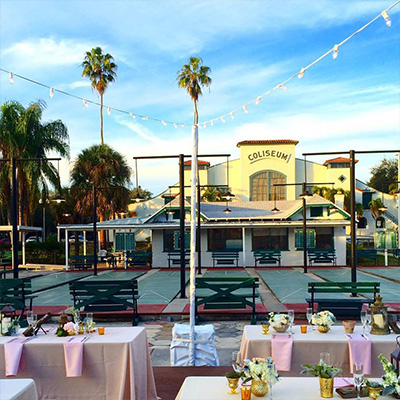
{"x": 374, "y": 392}
{"x": 265, "y": 329}
{"x": 245, "y": 393}
{"x": 233, "y": 384}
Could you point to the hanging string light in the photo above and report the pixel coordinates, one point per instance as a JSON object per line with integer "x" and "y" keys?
{"x": 385, "y": 15}
{"x": 245, "y": 109}
{"x": 301, "y": 73}
{"x": 175, "y": 125}
{"x": 85, "y": 103}
{"x": 282, "y": 87}
{"x": 258, "y": 100}
{"x": 11, "y": 78}
{"x": 109, "y": 110}
{"x": 164, "y": 123}
{"x": 51, "y": 93}
{"x": 335, "y": 51}
{"x": 232, "y": 115}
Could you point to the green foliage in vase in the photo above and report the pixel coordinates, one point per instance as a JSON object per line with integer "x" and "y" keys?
{"x": 321, "y": 370}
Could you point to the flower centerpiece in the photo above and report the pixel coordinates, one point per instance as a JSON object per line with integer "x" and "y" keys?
{"x": 325, "y": 373}
{"x": 324, "y": 320}
{"x": 391, "y": 382}
{"x": 262, "y": 374}
{"x": 280, "y": 322}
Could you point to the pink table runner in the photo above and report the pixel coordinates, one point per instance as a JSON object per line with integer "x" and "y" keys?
{"x": 12, "y": 355}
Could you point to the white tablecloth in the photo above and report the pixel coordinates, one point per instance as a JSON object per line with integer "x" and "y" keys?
{"x": 18, "y": 389}
{"x": 307, "y": 347}
{"x": 116, "y": 365}
{"x": 215, "y": 388}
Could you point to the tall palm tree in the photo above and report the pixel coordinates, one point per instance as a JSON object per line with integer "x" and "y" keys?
{"x": 104, "y": 167}
{"x": 24, "y": 135}
{"x": 101, "y": 70}
{"x": 192, "y": 77}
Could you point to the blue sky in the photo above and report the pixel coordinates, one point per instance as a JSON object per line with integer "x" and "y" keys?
{"x": 251, "y": 46}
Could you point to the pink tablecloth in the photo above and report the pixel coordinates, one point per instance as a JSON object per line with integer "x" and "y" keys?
{"x": 115, "y": 366}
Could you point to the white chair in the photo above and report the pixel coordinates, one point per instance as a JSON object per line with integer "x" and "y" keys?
{"x": 205, "y": 351}
{"x": 101, "y": 255}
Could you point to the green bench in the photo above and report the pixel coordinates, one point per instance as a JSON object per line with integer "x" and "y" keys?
{"x": 138, "y": 258}
{"x": 267, "y": 257}
{"x": 349, "y": 307}
{"x": 396, "y": 254}
{"x": 16, "y": 292}
{"x": 225, "y": 258}
{"x": 227, "y": 293}
{"x": 371, "y": 254}
{"x": 113, "y": 295}
{"x": 321, "y": 256}
{"x": 174, "y": 258}
{"x": 82, "y": 262}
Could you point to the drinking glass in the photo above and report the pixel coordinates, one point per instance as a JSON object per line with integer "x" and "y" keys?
{"x": 325, "y": 358}
{"x": 291, "y": 319}
{"x": 309, "y": 314}
{"x": 363, "y": 319}
{"x": 31, "y": 318}
{"x": 89, "y": 322}
{"x": 358, "y": 375}
{"x": 236, "y": 361}
{"x": 368, "y": 319}
{"x": 270, "y": 369}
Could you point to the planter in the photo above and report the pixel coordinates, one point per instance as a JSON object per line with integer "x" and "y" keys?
{"x": 323, "y": 328}
{"x": 259, "y": 388}
{"x": 326, "y": 387}
{"x": 281, "y": 329}
{"x": 349, "y": 325}
{"x": 374, "y": 392}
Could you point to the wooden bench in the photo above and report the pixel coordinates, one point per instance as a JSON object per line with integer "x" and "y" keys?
{"x": 323, "y": 256}
{"x": 349, "y": 307}
{"x": 82, "y": 262}
{"x": 227, "y": 293}
{"x": 265, "y": 257}
{"x": 225, "y": 258}
{"x": 371, "y": 254}
{"x": 174, "y": 258}
{"x": 16, "y": 292}
{"x": 138, "y": 258}
{"x": 113, "y": 295}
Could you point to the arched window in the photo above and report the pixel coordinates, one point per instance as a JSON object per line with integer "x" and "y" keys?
{"x": 262, "y": 186}
{"x": 362, "y": 223}
{"x": 380, "y": 222}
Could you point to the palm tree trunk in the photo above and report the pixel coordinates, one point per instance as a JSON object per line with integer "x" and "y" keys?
{"x": 196, "y": 114}
{"x": 101, "y": 118}
{"x": 102, "y": 233}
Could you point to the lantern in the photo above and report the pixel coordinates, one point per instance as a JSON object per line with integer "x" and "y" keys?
{"x": 379, "y": 318}
{"x": 395, "y": 356}
{"x": 7, "y": 315}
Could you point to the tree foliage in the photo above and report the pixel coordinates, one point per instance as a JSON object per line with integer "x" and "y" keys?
{"x": 384, "y": 176}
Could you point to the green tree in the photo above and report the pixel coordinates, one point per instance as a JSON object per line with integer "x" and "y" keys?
{"x": 146, "y": 194}
{"x": 104, "y": 167}
{"x": 211, "y": 194}
{"x": 101, "y": 70}
{"x": 192, "y": 77}
{"x": 384, "y": 175}
{"x": 375, "y": 206}
{"x": 24, "y": 135}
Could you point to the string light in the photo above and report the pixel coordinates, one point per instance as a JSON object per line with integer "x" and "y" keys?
{"x": 258, "y": 100}
{"x": 109, "y": 110}
{"x": 301, "y": 73}
{"x": 205, "y": 124}
{"x": 175, "y": 125}
{"x": 51, "y": 93}
{"x": 164, "y": 123}
{"x": 232, "y": 115}
{"x": 282, "y": 87}
{"x": 385, "y": 15}
{"x": 222, "y": 119}
{"x": 85, "y": 103}
{"x": 245, "y": 109}
{"x": 212, "y": 122}
{"x": 145, "y": 118}
{"x": 132, "y": 115}
{"x": 335, "y": 51}
{"x": 11, "y": 78}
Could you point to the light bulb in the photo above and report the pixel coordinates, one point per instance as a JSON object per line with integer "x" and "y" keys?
{"x": 282, "y": 87}
{"x": 245, "y": 109}
{"x": 145, "y": 118}
{"x": 232, "y": 115}
{"x": 85, "y": 103}
{"x": 51, "y": 93}
{"x": 11, "y": 78}
{"x": 164, "y": 123}
{"x": 385, "y": 15}
{"x": 212, "y": 122}
{"x": 132, "y": 115}
{"x": 183, "y": 125}
{"x": 175, "y": 125}
{"x": 258, "y": 100}
{"x": 335, "y": 51}
{"x": 109, "y": 110}
{"x": 205, "y": 125}
{"x": 301, "y": 73}
{"x": 223, "y": 119}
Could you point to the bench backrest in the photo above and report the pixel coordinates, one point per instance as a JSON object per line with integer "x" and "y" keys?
{"x": 226, "y": 282}
{"x": 81, "y": 257}
{"x": 321, "y": 251}
{"x": 272, "y": 253}
{"x": 13, "y": 291}
{"x": 225, "y": 254}
{"x": 344, "y": 287}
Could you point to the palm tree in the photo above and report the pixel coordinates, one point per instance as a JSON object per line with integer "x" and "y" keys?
{"x": 101, "y": 70}
{"x": 193, "y": 77}
{"x": 375, "y": 206}
{"x": 24, "y": 135}
{"x": 105, "y": 168}
{"x": 211, "y": 194}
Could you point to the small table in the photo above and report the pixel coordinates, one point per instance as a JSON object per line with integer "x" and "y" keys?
{"x": 18, "y": 389}
{"x": 215, "y": 388}
{"x": 307, "y": 347}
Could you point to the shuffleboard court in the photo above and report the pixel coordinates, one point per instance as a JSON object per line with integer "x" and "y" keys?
{"x": 391, "y": 273}
{"x": 390, "y": 291}
{"x": 160, "y": 287}
{"x": 52, "y": 280}
{"x": 54, "y": 297}
{"x": 116, "y": 275}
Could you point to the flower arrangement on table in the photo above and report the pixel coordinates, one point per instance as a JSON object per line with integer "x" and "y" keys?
{"x": 280, "y": 322}
{"x": 260, "y": 369}
{"x": 391, "y": 382}
{"x": 9, "y": 326}
{"x": 324, "y": 320}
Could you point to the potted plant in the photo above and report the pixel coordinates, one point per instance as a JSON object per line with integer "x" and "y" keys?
{"x": 374, "y": 389}
{"x": 324, "y": 320}
{"x": 391, "y": 381}
{"x": 325, "y": 373}
{"x": 280, "y": 322}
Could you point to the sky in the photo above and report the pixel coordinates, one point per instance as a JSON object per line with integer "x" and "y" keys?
{"x": 251, "y": 46}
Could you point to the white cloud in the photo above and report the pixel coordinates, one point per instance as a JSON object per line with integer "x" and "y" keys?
{"x": 79, "y": 84}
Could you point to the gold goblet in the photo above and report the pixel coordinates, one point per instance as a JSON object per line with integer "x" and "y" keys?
{"x": 265, "y": 329}
{"x": 233, "y": 384}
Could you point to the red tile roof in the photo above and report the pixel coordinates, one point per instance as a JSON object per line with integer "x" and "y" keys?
{"x": 279, "y": 141}
{"x": 199, "y": 162}
{"x": 338, "y": 160}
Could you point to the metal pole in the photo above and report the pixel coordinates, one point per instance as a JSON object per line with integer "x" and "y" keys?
{"x": 353, "y": 261}
{"x": 94, "y": 230}
{"x": 198, "y": 231}
{"x": 304, "y": 229}
{"x": 14, "y": 218}
{"x": 44, "y": 221}
{"x": 182, "y": 222}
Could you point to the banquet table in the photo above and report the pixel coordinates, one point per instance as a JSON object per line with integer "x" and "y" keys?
{"x": 18, "y": 389}
{"x": 215, "y": 388}
{"x": 307, "y": 347}
{"x": 115, "y": 365}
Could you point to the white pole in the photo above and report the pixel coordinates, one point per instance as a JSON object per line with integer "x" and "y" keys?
{"x": 398, "y": 201}
{"x": 84, "y": 243}
{"x": 244, "y": 246}
{"x": 66, "y": 250}
{"x": 23, "y": 248}
{"x": 386, "y": 257}
{"x": 193, "y": 208}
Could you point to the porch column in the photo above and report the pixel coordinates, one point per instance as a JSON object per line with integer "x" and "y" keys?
{"x": 23, "y": 248}
{"x": 66, "y": 250}
{"x": 84, "y": 243}
{"x": 58, "y": 233}
{"x": 244, "y": 246}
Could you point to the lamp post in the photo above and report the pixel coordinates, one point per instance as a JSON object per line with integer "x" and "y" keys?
{"x": 181, "y": 158}
{"x": 14, "y": 206}
{"x": 304, "y": 195}
{"x": 353, "y": 228}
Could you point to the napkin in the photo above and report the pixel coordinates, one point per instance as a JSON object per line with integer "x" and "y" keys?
{"x": 12, "y": 355}
{"x": 342, "y": 382}
{"x": 281, "y": 351}
{"x": 360, "y": 351}
{"x": 73, "y": 356}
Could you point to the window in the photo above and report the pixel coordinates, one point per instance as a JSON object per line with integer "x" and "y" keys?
{"x": 362, "y": 223}
{"x": 324, "y": 238}
{"x": 270, "y": 238}
{"x": 225, "y": 239}
{"x": 171, "y": 240}
{"x": 316, "y": 211}
{"x": 298, "y": 238}
{"x": 262, "y": 186}
{"x": 380, "y": 222}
